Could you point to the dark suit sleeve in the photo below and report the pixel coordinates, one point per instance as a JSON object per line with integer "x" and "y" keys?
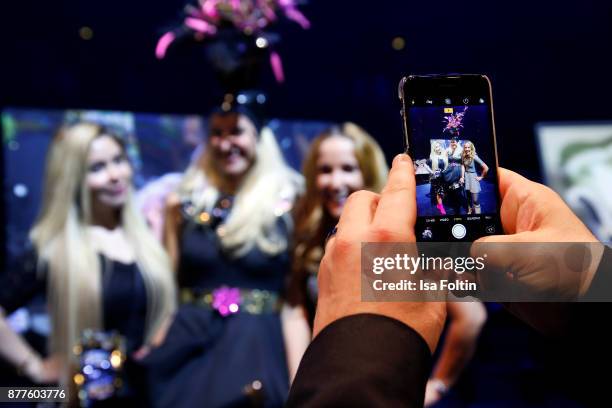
{"x": 363, "y": 360}
{"x": 601, "y": 286}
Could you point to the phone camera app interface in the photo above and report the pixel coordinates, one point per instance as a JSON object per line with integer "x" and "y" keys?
{"x": 455, "y": 166}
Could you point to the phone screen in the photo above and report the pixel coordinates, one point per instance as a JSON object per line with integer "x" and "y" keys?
{"x": 451, "y": 139}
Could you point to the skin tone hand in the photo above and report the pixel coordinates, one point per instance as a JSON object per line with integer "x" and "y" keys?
{"x": 369, "y": 217}
{"x": 17, "y": 352}
{"x": 45, "y": 371}
{"x": 485, "y": 170}
{"x": 156, "y": 341}
{"x": 534, "y": 215}
{"x": 466, "y": 322}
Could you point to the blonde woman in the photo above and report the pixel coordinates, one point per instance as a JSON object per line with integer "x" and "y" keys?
{"x": 92, "y": 253}
{"x": 469, "y": 159}
{"x": 435, "y": 165}
{"x": 341, "y": 160}
{"x": 227, "y": 229}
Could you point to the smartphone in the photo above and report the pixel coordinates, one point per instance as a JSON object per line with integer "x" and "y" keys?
{"x": 449, "y": 133}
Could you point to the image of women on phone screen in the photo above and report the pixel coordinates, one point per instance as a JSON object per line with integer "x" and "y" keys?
{"x": 101, "y": 269}
{"x": 453, "y": 177}
{"x": 435, "y": 165}
{"x": 471, "y": 179}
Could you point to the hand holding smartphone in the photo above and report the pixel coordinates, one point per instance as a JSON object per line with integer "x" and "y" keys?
{"x": 449, "y": 132}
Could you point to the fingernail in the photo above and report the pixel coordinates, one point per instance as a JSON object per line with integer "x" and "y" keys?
{"x": 402, "y": 157}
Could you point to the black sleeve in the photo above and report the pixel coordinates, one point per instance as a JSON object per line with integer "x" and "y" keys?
{"x": 21, "y": 282}
{"x": 601, "y": 286}
{"x": 363, "y": 360}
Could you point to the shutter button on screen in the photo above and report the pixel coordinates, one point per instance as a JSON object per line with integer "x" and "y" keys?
{"x": 458, "y": 231}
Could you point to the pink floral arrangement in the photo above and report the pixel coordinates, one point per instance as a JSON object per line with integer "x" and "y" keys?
{"x": 454, "y": 122}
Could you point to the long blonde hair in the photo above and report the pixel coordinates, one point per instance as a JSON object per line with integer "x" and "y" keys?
{"x": 467, "y": 159}
{"x": 312, "y": 222}
{"x": 258, "y": 200}
{"x": 63, "y": 245}
{"x": 435, "y": 156}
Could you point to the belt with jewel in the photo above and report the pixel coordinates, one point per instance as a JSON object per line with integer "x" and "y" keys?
{"x": 227, "y": 300}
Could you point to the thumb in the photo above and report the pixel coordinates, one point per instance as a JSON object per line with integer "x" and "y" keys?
{"x": 502, "y": 254}
{"x": 497, "y": 247}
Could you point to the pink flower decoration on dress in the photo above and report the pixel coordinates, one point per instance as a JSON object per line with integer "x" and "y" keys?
{"x": 226, "y": 300}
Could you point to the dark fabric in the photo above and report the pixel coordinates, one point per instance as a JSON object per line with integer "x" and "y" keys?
{"x": 601, "y": 286}
{"x": 124, "y": 308}
{"x": 452, "y": 173}
{"x": 20, "y": 283}
{"x": 437, "y": 184}
{"x": 125, "y": 302}
{"x": 455, "y": 193}
{"x": 210, "y": 360}
{"x": 124, "y": 298}
{"x": 204, "y": 264}
{"x": 363, "y": 361}
{"x": 577, "y": 348}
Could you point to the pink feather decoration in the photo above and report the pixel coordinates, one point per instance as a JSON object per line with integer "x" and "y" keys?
{"x": 200, "y": 26}
{"x": 209, "y": 8}
{"x": 277, "y": 67}
{"x": 163, "y": 44}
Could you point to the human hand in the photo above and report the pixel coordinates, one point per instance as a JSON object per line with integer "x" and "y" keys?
{"x": 42, "y": 371}
{"x": 461, "y": 180}
{"x": 142, "y": 352}
{"x": 479, "y": 178}
{"x": 369, "y": 217}
{"x": 434, "y": 392}
{"x": 554, "y": 255}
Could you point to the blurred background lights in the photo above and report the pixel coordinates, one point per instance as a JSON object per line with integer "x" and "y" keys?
{"x": 20, "y": 190}
{"x": 398, "y": 43}
{"x": 261, "y": 42}
{"x": 86, "y": 33}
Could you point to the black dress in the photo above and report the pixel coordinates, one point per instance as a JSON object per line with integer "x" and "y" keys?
{"x": 211, "y": 360}
{"x": 124, "y": 304}
{"x": 436, "y": 180}
{"x": 455, "y": 194}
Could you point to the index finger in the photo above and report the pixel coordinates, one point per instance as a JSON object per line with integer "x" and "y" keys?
{"x": 396, "y": 211}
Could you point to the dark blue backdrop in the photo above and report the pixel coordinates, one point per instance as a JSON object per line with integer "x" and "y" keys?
{"x": 548, "y": 61}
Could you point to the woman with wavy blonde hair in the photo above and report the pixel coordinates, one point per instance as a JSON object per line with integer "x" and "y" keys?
{"x": 92, "y": 252}
{"x": 341, "y": 160}
{"x": 469, "y": 159}
{"x": 227, "y": 229}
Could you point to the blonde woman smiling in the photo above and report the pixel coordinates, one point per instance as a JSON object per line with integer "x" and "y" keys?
{"x": 92, "y": 254}
{"x": 228, "y": 229}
